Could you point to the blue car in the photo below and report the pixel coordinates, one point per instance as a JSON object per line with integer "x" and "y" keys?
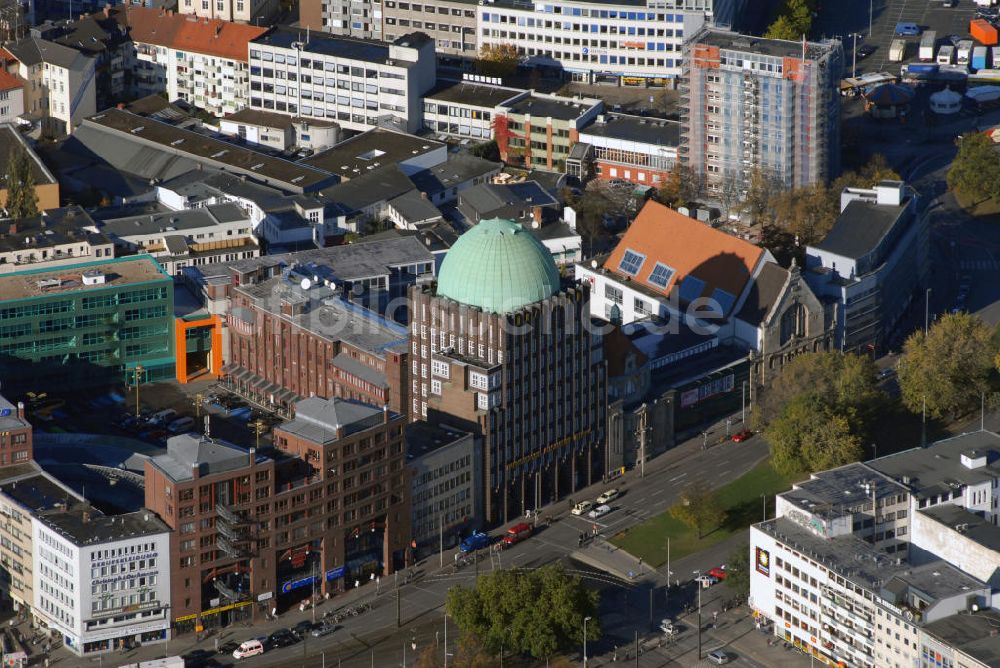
{"x": 477, "y": 541}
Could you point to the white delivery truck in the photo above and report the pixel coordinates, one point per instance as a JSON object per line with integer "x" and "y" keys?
{"x": 897, "y": 50}
{"x": 946, "y": 55}
{"x": 927, "y": 43}
{"x": 963, "y": 52}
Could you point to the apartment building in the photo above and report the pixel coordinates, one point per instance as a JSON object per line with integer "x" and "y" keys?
{"x": 202, "y": 61}
{"x": 253, "y": 12}
{"x": 620, "y": 147}
{"x": 187, "y": 238}
{"x": 87, "y": 324}
{"x": 467, "y": 365}
{"x": 256, "y": 533}
{"x": 60, "y": 83}
{"x": 312, "y": 324}
{"x": 625, "y": 43}
{"x": 873, "y": 264}
{"x": 760, "y": 105}
{"x": 361, "y": 19}
{"x": 16, "y": 572}
{"x": 466, "y": 109}
{"x": 446, "y": 470}
{"x": 539, "y": 131}
{"x": 360, "y": 84}
{"x": 847, "y": 603}
{"x": 11, "y": 97}
{"x": 15, "y": 434}
{"x": 54, "y": 238}
{"x": 450, "y": 23}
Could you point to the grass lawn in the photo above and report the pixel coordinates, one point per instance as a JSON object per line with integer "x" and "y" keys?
{"x": 741, "y": 498}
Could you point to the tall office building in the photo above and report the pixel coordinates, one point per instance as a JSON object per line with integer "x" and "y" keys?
{"x": 750, "y": 103}
{"x": 501, "y": 347}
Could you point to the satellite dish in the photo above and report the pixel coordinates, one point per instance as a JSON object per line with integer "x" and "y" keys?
{"x": 305, "y": 284}
{"x": 593, "y": 264}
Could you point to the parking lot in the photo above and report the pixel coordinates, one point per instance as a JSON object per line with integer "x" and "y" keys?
{"x": 844, "y": 17}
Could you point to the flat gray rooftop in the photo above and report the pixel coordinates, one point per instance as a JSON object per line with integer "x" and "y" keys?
{"x": 369, "y": 151}
{"x": 473, "y": 94}
{"x": 189, "y": 451}
{"x": 179, "y": 142}
{"x": 568, "y": 109}
{"x": 174, "y": 221}
{"x": 770, "y": 47}
{"x": 971, "y": 634}
{"x": 829, "y": 493}
{"x": 640, "y": 129}
{"x": 424, "y": 438}
{"x": 318, "y": 420}
{"x": 856, "y": 560}
{"x": 938, "y": 468}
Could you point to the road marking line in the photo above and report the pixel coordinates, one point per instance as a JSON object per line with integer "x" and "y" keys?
{"x": 659, "y": 491}
{"x": 677, "y": 477}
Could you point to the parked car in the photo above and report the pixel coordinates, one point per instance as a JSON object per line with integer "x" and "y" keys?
{"x": 707, "y": 580}
{"x": 718, "y": 572}
{"x": 477, "y": 541}
{"x": 282, "y": 638}
{"x": 180, "y": 425}
{"x": 718, "y": 657}
{"x": 608, "y": 496}
{"x": 228, "y": 647}
{"x": 304, "y": 627}
{"x": 669, "y": 628}
{"x": 163, "y": 417}
{"x": 741, "y": 436}
{"x": 248, "y": 648}
{"x": 599, "y": 511}
{"x": 865, "y": 50}
{"x": 323, "y": 630}
{"x": 582, "y": 507}
{"x": 517, "y": 533}
{"x": 887, "y": 372}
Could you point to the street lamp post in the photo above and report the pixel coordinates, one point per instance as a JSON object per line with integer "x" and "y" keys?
{"x": 138, "y": 374}
{"x": 698, "y": 584}
{"x": 585, "y": 620}
{"x": 854, "y": 61}
{"x": 763, "y": 499}
{"x": 923, "y": 410}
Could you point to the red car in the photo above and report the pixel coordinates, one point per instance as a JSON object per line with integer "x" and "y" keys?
{"x": 741, "y": 436}
{"x": 718, "y": 572}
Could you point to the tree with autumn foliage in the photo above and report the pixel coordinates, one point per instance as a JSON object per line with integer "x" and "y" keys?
{"x": 497, "y": 60}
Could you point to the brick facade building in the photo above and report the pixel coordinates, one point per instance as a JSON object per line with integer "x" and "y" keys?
{"x": 501, "y": 348}
{"x": 254, "y": 532}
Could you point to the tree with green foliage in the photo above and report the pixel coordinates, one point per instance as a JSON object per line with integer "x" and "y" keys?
{"x": 22, "y": 200}
{"x": 949, "y": 369}
{"x": 783, "y": 28}
{"x": 533, "y": 612}
{"x": 487, "y": 151}
{"x": 818, "y": 412}
{"x": 699, "y": 508}
{"x": 975, "y": 171}
{"x": 682, "y": 187}
{"x": 738, "y": 571}
{"x": 591, "y": 207}
{"x": 810, "y": 435}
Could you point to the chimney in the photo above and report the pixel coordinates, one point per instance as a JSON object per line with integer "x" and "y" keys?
{"x": 86, "y": 517}
{"x": 107, "y": 11}
{"x": 195, "y": 471}
{"x": 121, "y": 105}
{"x": 385, "y": 413}
{"x": 253, "y": 456}
{"x": 20, "y": 410}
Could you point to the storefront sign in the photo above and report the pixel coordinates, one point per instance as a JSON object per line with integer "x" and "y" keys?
{"x": 296, "y": 584}
{"x": 763, "y": 562}
{"x": 336, "y": 573}
{"x": 266, "y": 596}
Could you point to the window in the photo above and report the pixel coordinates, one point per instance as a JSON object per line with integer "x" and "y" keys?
{"x": 631, "y": 262}
{"x": 661, "y": 275}
{"x": 613, "y": 294}
{"x": 440, "y": 368}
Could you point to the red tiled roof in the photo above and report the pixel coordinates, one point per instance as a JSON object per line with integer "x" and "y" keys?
{"x": 9, "y": 81}
{"x": 6, "y": 56}
{"x": 212, "y": 37}
{"x": 690, "y": 248}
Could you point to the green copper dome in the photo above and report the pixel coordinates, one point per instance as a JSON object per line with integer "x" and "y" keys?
{"x": 499, "y": 267}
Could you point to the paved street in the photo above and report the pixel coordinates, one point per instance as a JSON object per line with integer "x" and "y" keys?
{"x": 372, "y": 638}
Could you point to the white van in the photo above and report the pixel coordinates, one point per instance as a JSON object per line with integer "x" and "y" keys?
{"x": 946, "y": 55}
{"x": 248, "y": 648}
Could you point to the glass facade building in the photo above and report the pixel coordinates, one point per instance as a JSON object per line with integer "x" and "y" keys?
{"x": 87, "y": 324}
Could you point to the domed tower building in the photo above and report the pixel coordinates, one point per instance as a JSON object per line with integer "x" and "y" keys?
{"x": 503, "y": 346}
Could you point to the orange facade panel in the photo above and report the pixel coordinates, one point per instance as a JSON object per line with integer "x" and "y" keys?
{"x": 794, "y": 69}
{"x": 181, "y": 328}
{"x": 705, "y": 56}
